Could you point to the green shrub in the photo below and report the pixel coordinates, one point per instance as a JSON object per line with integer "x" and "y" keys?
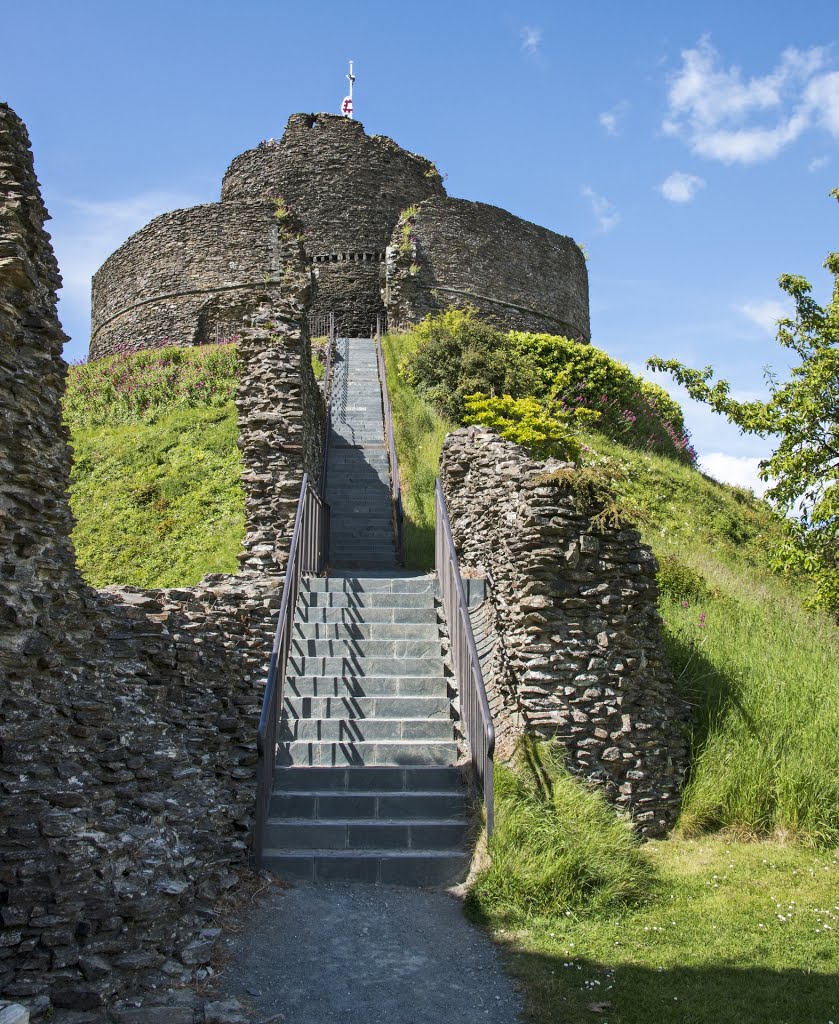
{"x": 632, "y": 410}
{"x": 557, "y": 845}
{"x": 458, "y": 355}
{"x": 540, "y": 430}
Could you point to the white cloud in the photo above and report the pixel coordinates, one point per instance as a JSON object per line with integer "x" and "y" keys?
{"x": 723, "y": 116}
{"x": 765, "y": 313}
{"x": 609, "y": 118}
{"x": 740, "y": 470}
{"x": 681, "y": 187}
{"x": 531, "y": 40}
{"x": 817, "y": 163}
{"x": 823, "y": 97}
{"x": 84, "y": 233}
{"x": 605, "y": 212}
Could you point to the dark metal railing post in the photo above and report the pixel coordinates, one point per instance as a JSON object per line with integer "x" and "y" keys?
{"x": 304, "y": 557}
{"x": 474, "y": 704}
{"x": 395, "y": 489}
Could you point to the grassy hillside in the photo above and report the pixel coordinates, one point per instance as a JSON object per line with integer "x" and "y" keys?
{"x": 155, "y": 480}
{"x": 734, "y": 917}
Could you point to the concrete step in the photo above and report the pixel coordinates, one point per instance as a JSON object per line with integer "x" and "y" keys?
{"x": 380, "y": 707}
{"x": 363, "y": 752}
{"x": 385, "y": 867}
{"x": 403, "y": 779}
{"x": 367, "y": 630}
{"x": 365, "y": 834}
{"x": 369, "y": 804}
{"x": 365, "y": 730}
{"x": 340, "y": 685}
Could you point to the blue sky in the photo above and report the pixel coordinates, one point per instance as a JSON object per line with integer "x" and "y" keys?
{"x": 689, "y": 147}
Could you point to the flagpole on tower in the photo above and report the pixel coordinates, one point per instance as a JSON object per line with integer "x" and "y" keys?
{"x": 346, "y": 106}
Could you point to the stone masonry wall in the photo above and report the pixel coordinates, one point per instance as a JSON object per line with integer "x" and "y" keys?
{"x": 517, "y": 274}
{"x": 184, "y": 274}
{"x": 580, "y": 655}
{"x": 127, "y": 717}
{"x": 346, "y": 187}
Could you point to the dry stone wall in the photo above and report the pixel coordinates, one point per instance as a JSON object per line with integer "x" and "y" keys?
{"x": 520, "y": 276}
{"x": 579, "y": 656}
{"x": 127, "y": 717}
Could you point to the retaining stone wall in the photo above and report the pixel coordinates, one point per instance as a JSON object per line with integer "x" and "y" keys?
{"x": 127, "y": 717}
{"x": 579, "y": 654}
{"x": 518, "y": 275}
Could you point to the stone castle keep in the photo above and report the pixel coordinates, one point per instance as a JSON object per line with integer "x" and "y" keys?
{"x": 128, "y": 717}
{"x": 380, "y": 234}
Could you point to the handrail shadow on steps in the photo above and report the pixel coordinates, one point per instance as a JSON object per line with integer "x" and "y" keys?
{"x": 474, "y": 705}
{"x": 395, "y": 489}
{"x": 306, "y": 556}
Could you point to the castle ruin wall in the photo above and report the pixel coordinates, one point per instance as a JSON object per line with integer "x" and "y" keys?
{"x": 518, "y": 275}
{"x": 579, "y": 654}
{"x": 186, "y": 276}
{"x": 127, "y": 717}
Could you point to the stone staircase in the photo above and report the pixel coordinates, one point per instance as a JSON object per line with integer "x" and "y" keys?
{"x": 367, "y": 786}
{"x": 358, "y": 471}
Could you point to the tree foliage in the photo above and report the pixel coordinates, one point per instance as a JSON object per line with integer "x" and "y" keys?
{"x": 802, "y": 413}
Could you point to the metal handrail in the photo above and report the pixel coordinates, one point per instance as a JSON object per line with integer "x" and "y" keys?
{"x": 306, "y": 555}
{"x": 327, "y": 397}
{"x": 395, "y": 489}
{"x": 474, "y": 705}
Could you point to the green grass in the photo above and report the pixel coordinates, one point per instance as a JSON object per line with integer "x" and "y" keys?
{"x": 420, "y": 432}
{"x": 558, "y": 846}
{"x": 734, "y": 933}
{"x": 685, "y": 930}
{"x": 155, "y": 483}
{"x": 158, "y": 504}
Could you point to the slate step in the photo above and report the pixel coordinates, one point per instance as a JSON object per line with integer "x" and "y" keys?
{"x": 373, "y": 804}
{"x": 367, "y": 630}
{"x": 324, "y": 614}
{"x": 384, "y": 867}
{"x": 359, "y": 667}
{"x": 356, "y": 648}
{"x": 364, "y": 599}
{"x": 295, "y": 729}
{"x": 380, "y": 707}
{"x": 338, "y": 685}
{"x": 371, "y": 584}
{"x": 364, "y": 752}
{"x": 402, "y": 779}
{"x": 365, "y": 834}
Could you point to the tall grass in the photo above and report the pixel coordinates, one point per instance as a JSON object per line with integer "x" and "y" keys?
{"x": 557, "y": 846}
{"x": 420, "y": 432}
{"x": 763, "y": 676}
{"x": 128, "y": 387}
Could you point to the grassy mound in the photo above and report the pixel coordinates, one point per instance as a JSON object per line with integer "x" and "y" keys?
{"x": 155, "y": 485}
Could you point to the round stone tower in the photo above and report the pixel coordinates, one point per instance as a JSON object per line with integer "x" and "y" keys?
{"x": 191, "y": 276}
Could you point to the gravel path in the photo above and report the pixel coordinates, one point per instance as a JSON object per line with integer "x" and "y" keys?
{"x": 363, "y": 954}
